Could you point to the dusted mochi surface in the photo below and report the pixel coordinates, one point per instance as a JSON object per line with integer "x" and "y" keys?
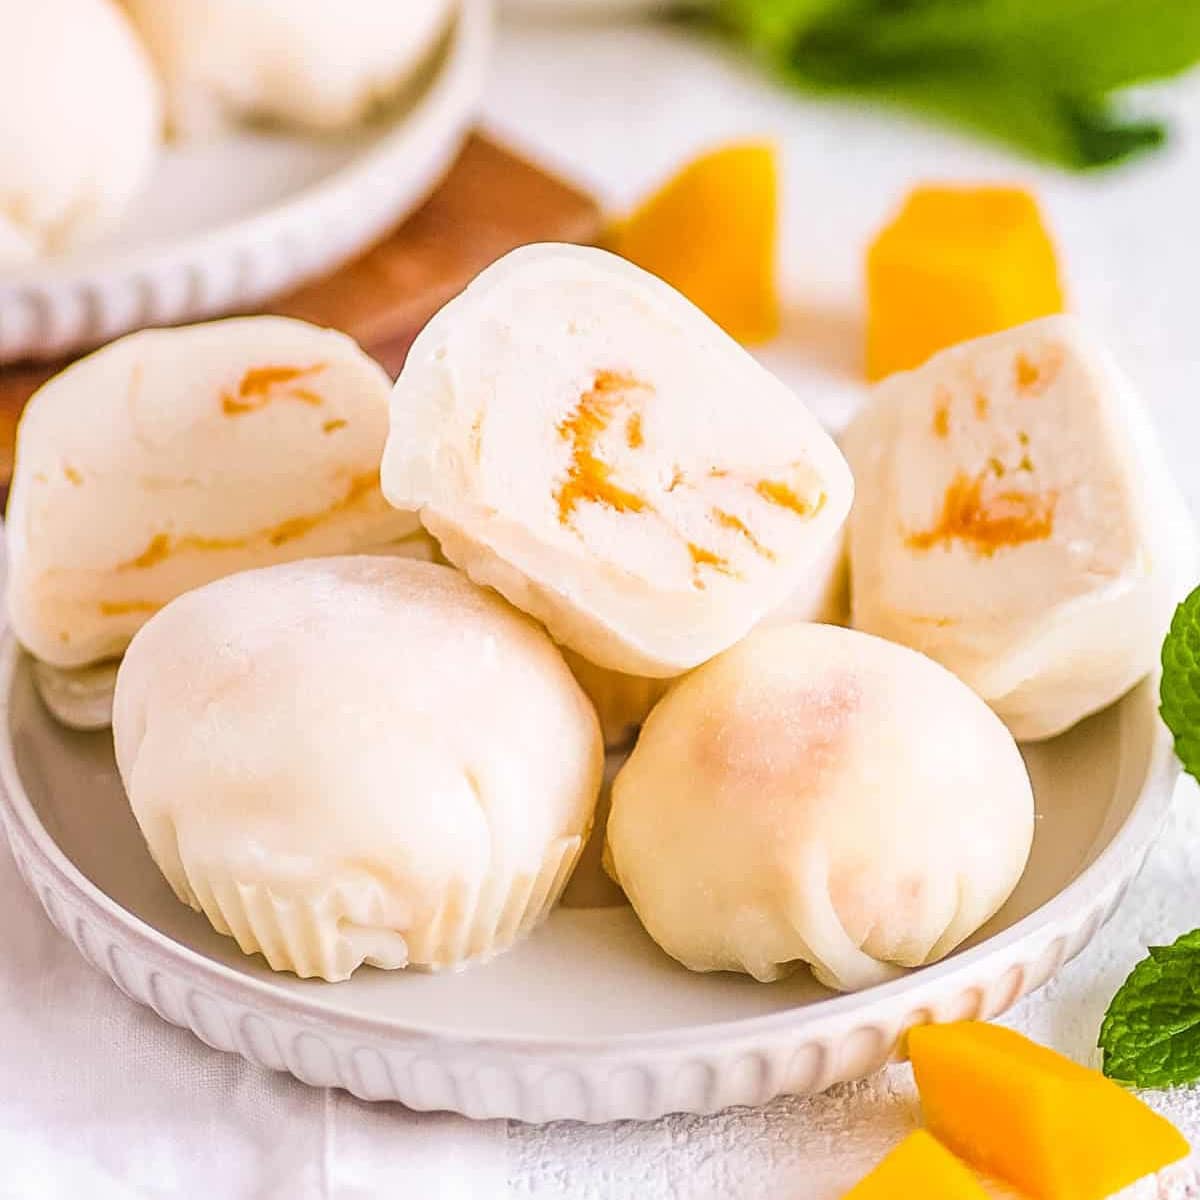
{"x": 580, "y": 437}
{"x": 360, "y": 759}
{"x": 1016, "y": 520}
{"x": 623, "y": 702}
{"x": 310, "y": 63}
{"x": 81, "y": 126}
{"x": 173, "y": 457}
{"x": 819, "y": 795}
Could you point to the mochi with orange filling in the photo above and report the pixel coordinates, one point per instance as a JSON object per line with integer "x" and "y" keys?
{"x": 818, "y": 795}
{"x": 579, "y": 436}
{"x": 173, "y": 457}
{"x": 1016, "y": 521}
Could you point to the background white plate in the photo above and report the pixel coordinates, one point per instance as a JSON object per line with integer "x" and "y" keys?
{"x": 587, "y": 1019}
{"x": 225, "y": 225}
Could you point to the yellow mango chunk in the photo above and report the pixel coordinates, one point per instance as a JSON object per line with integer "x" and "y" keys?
{"x": 1033, "y": 1118}
{"x": 918, "y": 1167}
{"x": 712, "y": 233}
{"x": 956, "y": 263}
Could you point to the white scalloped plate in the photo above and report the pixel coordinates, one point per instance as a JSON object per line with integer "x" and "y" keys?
{"x": 587, "y": 1019}
{"x": 227, "y": 224}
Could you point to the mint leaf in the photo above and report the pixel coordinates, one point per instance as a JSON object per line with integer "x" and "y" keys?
{"x": 1085, "y": 47}
{"x": 1151, "y": 1032}
{"x": 1037, "y": 74}
{"x": 1180, "y": 687}
{"x": 1034, "y": 121}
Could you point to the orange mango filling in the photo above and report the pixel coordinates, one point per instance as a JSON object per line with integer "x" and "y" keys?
{"x": 122, "y": 608}
{"x": 260, "y": 385}
{"x": 589, "y": 478}
{"x": 712, "y": 233}
{"x": 918, "y": 1167}
{"x": 986, "y": 520}
{"x": 361, "y": 490}
{"x": 954, "y": 264}
{"x": 615, "y": 402}
{"x": 1033, "y": 1118}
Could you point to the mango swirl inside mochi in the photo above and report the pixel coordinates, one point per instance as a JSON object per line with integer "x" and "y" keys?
{"x": 1016, "y": 520}
{"x": 580, "y": 437}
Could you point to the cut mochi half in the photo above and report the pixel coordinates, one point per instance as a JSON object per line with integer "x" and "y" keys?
{"x": 174, "y": 457}
{"x": 1016, "y": 521}
{"x": 580, "y": 437}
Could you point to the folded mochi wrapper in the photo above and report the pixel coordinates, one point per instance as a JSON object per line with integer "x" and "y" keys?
{"x": 357, "y": 760}
{"x": 81, "y": 127}
{"x": 817, "y": 795}
{"x": 314, "y": 64}
{"x": 173, "y": 457}
{"x": 580, "y": 437}
{"x": 1016, "y": 520}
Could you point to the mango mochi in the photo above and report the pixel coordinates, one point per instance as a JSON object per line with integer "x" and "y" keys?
{"x": 803, "y": 798}
{"x": 173, "y": 457}
{"x": 580, "y": 437}
{"x": 1032, "y": 1117}
{"x": 956, "y": 263}
{"x": 1016, "y": 521}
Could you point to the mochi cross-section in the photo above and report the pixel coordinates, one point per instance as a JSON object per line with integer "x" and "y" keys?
{"x": 580, "y": 437}
{"x": 1015, "y": 520}
{"x": 173, "y": 457}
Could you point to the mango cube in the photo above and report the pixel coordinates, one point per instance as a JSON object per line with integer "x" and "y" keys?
{"x": 919, "y": 1166}
{"x": 711, "y": 232}
{"x": 954, "y": 264}
{"x": 1033, "y": 1118}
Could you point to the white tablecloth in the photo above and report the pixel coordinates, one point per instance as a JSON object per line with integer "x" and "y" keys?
{"x": 99, "y": 1099}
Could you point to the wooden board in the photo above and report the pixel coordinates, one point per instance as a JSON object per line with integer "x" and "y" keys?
{"x": 491, "y": 202}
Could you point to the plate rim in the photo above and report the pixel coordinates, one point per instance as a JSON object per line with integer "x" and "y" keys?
{"x": 442, "y": 113}
{"x": 1113, "y": 866}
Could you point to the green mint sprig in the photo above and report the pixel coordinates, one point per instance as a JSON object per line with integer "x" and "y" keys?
{"x": 1151, "y": 1032}
{"x": 1180, "y": 688}
{"x": 1039, "y": 75}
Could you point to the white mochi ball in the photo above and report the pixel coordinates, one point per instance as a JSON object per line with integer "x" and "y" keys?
{"x": 315, "y": 64}
{"x": 817, "y": 795}
{"x": 357, "y": 760}
{"x": 81, "y": 125}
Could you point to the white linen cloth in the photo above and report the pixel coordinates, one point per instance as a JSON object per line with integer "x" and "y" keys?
{"x": 100, "y": 1100}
